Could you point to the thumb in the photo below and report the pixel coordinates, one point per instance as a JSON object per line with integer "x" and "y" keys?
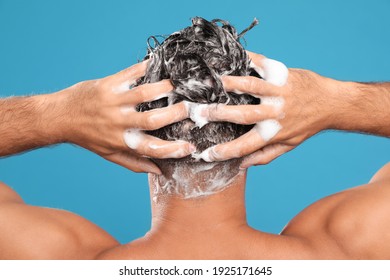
{"x": 265, "y": 155}
{"x": 133, "y": 162}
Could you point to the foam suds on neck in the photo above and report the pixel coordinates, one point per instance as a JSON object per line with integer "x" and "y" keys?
{"x": 199, "y": 180}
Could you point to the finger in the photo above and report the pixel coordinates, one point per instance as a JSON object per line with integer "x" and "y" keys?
{"x": 147, "y": 92}
{"x": 122, "y": 81}
{"x": 132, "y": 73}
{"x": 242, "y": 114}
{"x": 244, "y": 145}
{"x": 273, "y": 71}
{"x": 157, "y": 118}
{"x": 153, "y": 147}
{"x": 265, "y": 155}
{"x": 249, "y": 85}
{"x": 256, "y": 58}
{"x": 134, "y": 162}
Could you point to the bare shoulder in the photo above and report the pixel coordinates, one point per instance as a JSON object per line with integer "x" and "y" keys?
{"x": 30, "y": 232}
{"x": 7, "y": 194}
{"x": 353, "y": 224}
{"x": 383, "y": 174}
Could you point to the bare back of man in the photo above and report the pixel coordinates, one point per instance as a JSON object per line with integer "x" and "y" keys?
{"x": 353, "y": 224}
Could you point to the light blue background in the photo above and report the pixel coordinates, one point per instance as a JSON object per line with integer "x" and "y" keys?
{"x": 49, "y": 45}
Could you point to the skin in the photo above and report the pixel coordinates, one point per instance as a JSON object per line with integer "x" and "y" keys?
{"x": 352, "y": 224}
{"x": 94, "y": 115}
{"x": 312, "y": 103}
{"x": 349, "y": 225}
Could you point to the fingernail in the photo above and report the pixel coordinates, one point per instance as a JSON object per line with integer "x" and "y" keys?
{"x": 155, "y": 171}
{"x": 244, "y": 164}
{"x": 152, "y": 169}
{"x": 192, "y": 148}
{"x": 242, "y": 167}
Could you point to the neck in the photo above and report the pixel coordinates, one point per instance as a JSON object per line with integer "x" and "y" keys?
{"x": 173, "y": 214}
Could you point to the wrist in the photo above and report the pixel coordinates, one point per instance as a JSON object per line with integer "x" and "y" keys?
{"x": 52, "y": 117}
{"x": 72, "y": 122}
{"x": 345, "y": 98}
{"x": 326, "y": 92}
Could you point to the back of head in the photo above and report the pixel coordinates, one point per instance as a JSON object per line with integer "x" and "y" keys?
{"x": 194, "y": 59}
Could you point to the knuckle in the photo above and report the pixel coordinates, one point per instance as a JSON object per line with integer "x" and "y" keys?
{"x": 103, "y": 85}
{"x": 253, "y": 163}
{"x": 253, "y": 84}
{"x": 240, "y": 152}
{"x": 213, "y": 112}
{"x": 147, "y": 120}
{"x": 154, "y": 150}
{"x": 228, "y": 82}
{"x": 106, "y": 99}
{"x": 263, "y": 161}
{"x": 295, "y": 141}
{"x": 140, "y": 93}
{"x": 136, "y": 168}
{"x": 102, "y": 91}
{"x": 248, "y": 116}
{"x": 151, "y": 121}
{"x": 182, "y": 110}
{"x": 131, "y": 71}
{"x": 166, "y": 85}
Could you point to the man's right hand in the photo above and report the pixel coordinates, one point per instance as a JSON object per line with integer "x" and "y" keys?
{"x": 98, "y": 113}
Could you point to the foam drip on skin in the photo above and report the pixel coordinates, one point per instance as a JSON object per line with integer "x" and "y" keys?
{"x": 195, "y": 182}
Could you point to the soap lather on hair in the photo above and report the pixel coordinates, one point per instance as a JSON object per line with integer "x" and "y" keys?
{"x": 194, "y": 59}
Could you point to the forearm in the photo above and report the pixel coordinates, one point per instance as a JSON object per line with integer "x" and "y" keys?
{"x": 361, "y": 107}
{"x": 29, "y": 122}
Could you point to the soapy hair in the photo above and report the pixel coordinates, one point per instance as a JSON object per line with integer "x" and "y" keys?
{"x": 194, "y": 59}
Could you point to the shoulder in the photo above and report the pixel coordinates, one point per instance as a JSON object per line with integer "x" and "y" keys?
{"x": 354, "y": 223}
{"x": 7, "y": 194}
{"x": 30, "y": 232}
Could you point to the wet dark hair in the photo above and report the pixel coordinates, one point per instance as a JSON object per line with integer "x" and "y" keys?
{"x": 194, "y": 59}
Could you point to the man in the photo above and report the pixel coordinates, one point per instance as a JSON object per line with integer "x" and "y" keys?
{"x": 192, "y": 216}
